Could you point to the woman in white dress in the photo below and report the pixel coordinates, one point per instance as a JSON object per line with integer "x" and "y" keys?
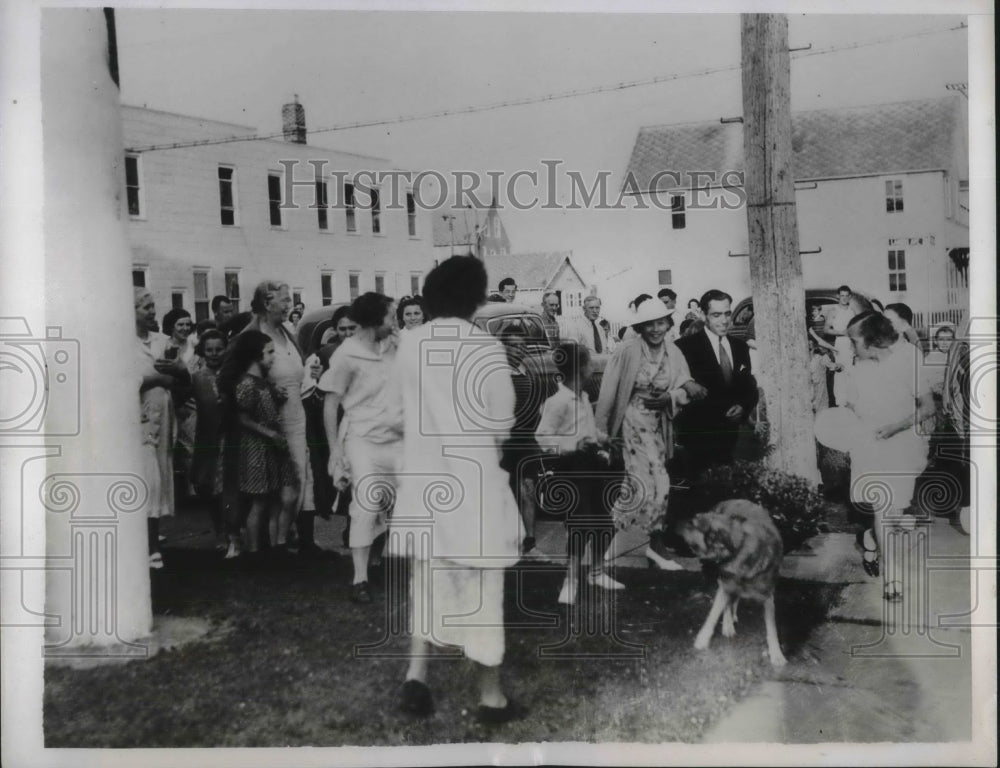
{"x": 456, "y": 518}
{"x": 890, "y": 392}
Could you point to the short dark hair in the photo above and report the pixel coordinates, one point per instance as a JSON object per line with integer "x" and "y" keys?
{"x": 217, "y": 300}
{"x": 843, "y": 288}
{"x": 456, "y": 287}
{"x": 409, "y": 301}
{"x": 170, "y": 319}
{"x": 945, "y": 329}
{"x": 639, "y": 299}
{"x": 902, "y": 310}
{"x": 495, "y": 298}
{"x": 339, "y": 314}
{"x": 204, "y": 326}
{"x": 874, "y": 328}
{"x": 368, "y": 310}
{"x": 695, "y": 301}
{"x": 713, "y": 295}
{"x": 207, "y": 336}
{"x": 672, "y": 295}
{"x": 569, "y": 357}
{"x": 507, "y": 281}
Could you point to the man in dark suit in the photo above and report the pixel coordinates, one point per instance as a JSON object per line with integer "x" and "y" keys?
{"x": 709, "y": 427}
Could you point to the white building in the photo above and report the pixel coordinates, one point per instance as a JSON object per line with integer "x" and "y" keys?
{"x": 880, "y": 195}
{"x": 220, "y": 217}
{"x": 538, "y": 273}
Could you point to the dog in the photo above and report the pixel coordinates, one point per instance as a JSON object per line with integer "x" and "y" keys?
{"x": 739, "y": 537}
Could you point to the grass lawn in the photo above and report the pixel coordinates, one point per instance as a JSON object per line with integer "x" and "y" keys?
{"x": 288, "y": 672}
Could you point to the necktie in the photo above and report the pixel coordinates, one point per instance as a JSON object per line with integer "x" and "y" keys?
{"x": 597, "y": 338}
{"x": 726, "y": 364}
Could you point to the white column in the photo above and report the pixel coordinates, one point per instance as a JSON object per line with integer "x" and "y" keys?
{"x": 96, "y": 541}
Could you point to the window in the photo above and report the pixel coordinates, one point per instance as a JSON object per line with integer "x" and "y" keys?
{"x": 233, "y": 288}
{"x": 897, "y": 270}
{"x": 177, "y": 299}
{"x": 678, "y": 219}
{"x": 349, "y": 213}
{"x": 140, "y": 277}
{"x": 274, "y": 198}
{"x": 414, "y": 283}
{"x": 227, "y": 195}
{"x": 326, "y": 288}
{"x": 133, "y": 186}
{"x": 893, "y": 196}
{"x": 380, "y": 283}
{"x": 352, "y": 282}
{"x": 321, "y": 204}
{"x": 297, "y": 296}
{"x": 202, "y": 301}
{"x": 376, "y": 212}
{"x": 666, "y": 278}
{"x": 411, "y": 214}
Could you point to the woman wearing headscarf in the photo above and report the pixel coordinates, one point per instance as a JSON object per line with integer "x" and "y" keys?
{"x": 271, "y": 304}
{"x": 159, "y": 377}
{"x": 645, "y": 383}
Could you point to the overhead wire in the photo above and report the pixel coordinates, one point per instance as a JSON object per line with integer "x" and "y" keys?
{"x": 529, "y": 100}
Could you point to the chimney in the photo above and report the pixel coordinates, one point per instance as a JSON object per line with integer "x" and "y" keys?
{"x": 293, "y": 121}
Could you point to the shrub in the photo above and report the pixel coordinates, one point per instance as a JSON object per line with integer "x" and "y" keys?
{"x": 796, "y": 509}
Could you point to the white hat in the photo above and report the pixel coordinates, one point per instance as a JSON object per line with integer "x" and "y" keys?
{"x": 650, "y": 309}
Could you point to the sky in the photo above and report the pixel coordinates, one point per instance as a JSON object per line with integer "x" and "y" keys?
{"x": 346, "y": 66}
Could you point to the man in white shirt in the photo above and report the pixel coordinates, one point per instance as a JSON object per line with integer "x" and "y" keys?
{"x": 587, "y": 330}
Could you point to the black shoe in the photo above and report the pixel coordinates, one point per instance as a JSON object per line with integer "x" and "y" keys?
{"x": 360, "y": 593}
{"x": 500, "y": 715}
{"x": 415, "y": 699}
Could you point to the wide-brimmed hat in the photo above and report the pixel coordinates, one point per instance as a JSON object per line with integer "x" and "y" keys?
{"x": 650, "y": 309}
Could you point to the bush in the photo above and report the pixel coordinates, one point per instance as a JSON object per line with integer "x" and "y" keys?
{"x": 796, "y": 509}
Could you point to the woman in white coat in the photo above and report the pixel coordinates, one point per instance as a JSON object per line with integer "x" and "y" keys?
{"x": 456, "y": 518}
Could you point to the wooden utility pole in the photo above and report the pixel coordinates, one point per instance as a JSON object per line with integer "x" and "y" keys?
{"x": 775, "y": 264}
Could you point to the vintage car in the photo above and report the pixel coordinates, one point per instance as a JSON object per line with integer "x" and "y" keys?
{"x": 743, "y": 312}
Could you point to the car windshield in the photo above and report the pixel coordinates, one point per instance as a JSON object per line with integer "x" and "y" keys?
{"x": 529, "y": 325}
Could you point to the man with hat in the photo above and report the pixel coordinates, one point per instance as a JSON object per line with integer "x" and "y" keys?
{"x": 721, "y": 364}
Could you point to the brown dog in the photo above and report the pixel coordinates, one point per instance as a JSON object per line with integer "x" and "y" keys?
{"x": 741, "y": 539}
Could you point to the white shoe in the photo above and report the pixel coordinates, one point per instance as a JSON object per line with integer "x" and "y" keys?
{"x": 604, "y": 581}
{"x": 233, "y": 551}
{"x": 156, "y": 561}
{"x": 567, "y": 595}
{"x": 661, "y": 562}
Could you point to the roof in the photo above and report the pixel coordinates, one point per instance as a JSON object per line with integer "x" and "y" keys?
{"x": 827, "y": 143}
{"x": 532, "y": 271}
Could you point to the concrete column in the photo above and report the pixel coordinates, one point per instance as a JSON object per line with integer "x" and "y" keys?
{"x": 97, "y": 579}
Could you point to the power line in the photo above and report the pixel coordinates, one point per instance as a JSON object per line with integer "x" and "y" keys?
{"x": 558, "y": 96}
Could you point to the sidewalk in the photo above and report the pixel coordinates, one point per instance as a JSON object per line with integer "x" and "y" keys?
{"x": 875, "y": 671}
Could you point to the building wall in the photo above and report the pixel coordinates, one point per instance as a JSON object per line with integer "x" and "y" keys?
{"x": 179, "y": 228}
{"x": 846, "y": 218}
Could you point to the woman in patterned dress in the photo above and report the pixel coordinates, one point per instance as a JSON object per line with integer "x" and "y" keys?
{"x": 644, "y": 385}
{"x": 253, "y": 403}
{"x": 271, "y": 304}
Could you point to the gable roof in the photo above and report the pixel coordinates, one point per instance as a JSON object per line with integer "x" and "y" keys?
{"x": 876, "y": 140}
{"x": 532, "y": 271}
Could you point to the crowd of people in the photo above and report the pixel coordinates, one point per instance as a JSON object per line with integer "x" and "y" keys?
{"x": 373, "y": 424}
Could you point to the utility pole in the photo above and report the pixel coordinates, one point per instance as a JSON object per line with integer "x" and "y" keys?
{"x": 775, "y": 264}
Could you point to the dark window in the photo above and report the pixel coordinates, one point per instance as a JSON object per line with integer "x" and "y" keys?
{"x": 353, "y": 284}
{"x": 227, "y": 198}
{"x": 177, "y": 300}
{"x": 411, "y": 214}
{"x": 274, "y": 198}
{"x": 678, "y": 219}
{"x": 376, "y": 212}
{"x": 139, "y": 278}
{"x": 352, "y": 224}
{"x": 666, "y": 279}
{"x": 897, "y": 270}
{"x": 201, "y": 297}
{"x": 893, "y": 196}
{"x": 132, "y": 188}
{"x": 414, "y": 285}
{"x": 233, "y": 289}
{"x": 321, "y": 204}
{"x": 326, "y": 289}
{"x": 380, "y": 284}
